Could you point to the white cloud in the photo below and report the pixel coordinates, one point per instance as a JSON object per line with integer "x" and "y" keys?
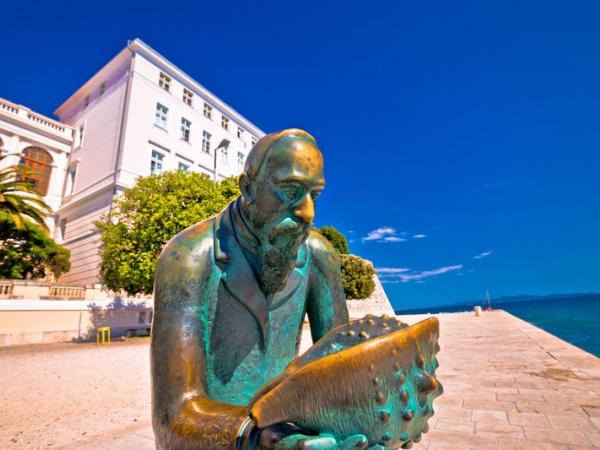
{"x": 379, "y": 234}
{"x": 381, "y": 270}
{"x": 483, "y": 255}
{"x": 401, "y": 276}
{"x": 392, "y": 239}
{"x": 419, "y": 236}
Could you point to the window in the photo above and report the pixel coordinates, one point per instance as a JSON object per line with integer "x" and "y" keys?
{"x": 187, "y": 97}
{"x": 39, "y": 166}
{"x": 225, "y": 154}
{"x": 102, "y": 88}
{"x": 164, "y": 81}
{"x": 241, "y": 159}
{"x": 63, "y": 229}
{"x": 240, "y": 132}
{"x": 86, "y": 101}
{"x": 80, "y": 132}
{"x": 142, "y": 317}
{"x": 207, "y": 111}
{"x": 156, "y": 163}
{"x": 71, "y": 180}
{"x": 185, "y": 129}
{"x": 183, "y": 167}
{"x": 162, "y": 113}
{"x": 225, "y": 122}
{"x": 253, "y": 141}
{"x": 206, "y": 141}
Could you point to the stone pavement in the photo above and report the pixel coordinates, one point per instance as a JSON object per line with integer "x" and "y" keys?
{"x": 507, "y": 385}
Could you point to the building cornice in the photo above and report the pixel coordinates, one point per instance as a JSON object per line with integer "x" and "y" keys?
{"x": 94, "y": 82}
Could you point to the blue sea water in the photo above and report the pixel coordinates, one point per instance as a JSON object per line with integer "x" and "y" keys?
{"x": 574, "y": 319}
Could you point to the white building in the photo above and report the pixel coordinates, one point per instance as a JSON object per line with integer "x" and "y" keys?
{"x": 39, "y": 143}
{"x": 138, "y": 115}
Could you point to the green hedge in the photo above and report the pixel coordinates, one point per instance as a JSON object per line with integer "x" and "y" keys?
{"x": 357, "y": 276}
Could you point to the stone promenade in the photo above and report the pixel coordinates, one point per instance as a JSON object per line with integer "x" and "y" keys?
{"x": 508, "y": 385}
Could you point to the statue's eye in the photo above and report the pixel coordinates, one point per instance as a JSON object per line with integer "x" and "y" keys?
{"x": 292, "y": 192}
{"x": 315, "y": 194}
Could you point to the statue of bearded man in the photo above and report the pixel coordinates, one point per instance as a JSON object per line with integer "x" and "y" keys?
{"x": 231, "y": 295}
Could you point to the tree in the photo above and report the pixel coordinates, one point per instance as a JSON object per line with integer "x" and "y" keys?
{"x": 27, "y": 250}
{"x": 337, "y": 239}
{"x": 357, "y": 276}
{"x": 18, "y": 197}
{"x": 146, "y": 216}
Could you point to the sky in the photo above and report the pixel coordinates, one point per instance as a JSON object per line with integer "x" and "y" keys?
{"x": 461, "y": 139}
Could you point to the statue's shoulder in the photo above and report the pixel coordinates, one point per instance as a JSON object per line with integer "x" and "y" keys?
{"x": 194, "y": 242}
{"x": 323, "y": 255}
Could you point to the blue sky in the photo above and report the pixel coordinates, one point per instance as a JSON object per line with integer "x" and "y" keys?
{"x": 461, "y": 139}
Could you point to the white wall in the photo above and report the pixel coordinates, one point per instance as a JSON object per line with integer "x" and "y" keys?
{"x": 143, "y": 135}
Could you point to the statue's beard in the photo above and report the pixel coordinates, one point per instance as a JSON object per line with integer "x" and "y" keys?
{"x": 277, "y": 254}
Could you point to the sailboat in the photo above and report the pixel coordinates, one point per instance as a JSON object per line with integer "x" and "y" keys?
{"x": 487, "y": 302}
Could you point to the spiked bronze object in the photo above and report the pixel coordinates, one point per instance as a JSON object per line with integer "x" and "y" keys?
{"x": 374, "y": 376}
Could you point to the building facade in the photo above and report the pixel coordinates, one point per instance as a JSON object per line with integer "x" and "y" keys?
{"x": 42, "y": 145}
{"x": 138, "y": 115}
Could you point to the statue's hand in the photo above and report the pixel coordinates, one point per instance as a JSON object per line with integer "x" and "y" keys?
{"x": 325, "y": 442}
{"x": 285, "y": 436}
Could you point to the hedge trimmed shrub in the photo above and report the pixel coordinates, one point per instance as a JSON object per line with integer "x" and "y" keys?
{"x": 357, "y": 276}
{"x": 336, "y": 238}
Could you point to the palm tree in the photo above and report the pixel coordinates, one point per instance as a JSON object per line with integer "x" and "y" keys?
{"x": 18, "y": 198}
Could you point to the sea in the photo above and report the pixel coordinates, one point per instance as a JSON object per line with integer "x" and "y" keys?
{"x": 573, "y": 318}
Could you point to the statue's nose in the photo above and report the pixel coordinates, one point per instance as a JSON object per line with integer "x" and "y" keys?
{"x": 305, "y": 209}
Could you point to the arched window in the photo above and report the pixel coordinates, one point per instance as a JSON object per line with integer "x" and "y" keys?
{"x": 39, "y": 165}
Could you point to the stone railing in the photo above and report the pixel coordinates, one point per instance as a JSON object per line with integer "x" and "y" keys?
{"x": 67, "y": 292}
{"x": 39, "y": 121}
{"x": 45, "y": 290}
{"x": 6, "y": 289}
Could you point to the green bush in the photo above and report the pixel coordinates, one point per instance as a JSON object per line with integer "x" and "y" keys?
{"x": 337, "y": 239}
{"x": 146, "y": 216}
{"x": 357, "y": 276}
{"x": 28, "y": 251}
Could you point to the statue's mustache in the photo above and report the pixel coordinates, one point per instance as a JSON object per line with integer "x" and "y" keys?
{"x": 288, "y": 227}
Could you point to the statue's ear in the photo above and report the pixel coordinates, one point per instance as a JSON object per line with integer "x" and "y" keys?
{"x": 246, "y": 187}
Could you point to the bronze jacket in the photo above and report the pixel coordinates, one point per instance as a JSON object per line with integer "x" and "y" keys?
{"x": 217, "y": 339}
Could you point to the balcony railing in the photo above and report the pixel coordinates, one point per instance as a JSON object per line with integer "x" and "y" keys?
{"x": 37, "y": 120}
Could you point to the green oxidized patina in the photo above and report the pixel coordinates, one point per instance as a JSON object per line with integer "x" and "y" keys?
{"x": 231, "y": 294}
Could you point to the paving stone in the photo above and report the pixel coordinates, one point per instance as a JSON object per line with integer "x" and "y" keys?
{"x": 528, "y": 420}
{"x": 489, "y": 416}
{"x": 457, "y": 414}
{"x": 578, "y": 423}
{"x": 559, "y": 436}
{"x": 505, "y": 443}
{"x": 454, "y": 439}
{"x": 444, "y": 424}
{"x": 496, "y": 429}
{"x": 594, "y": 438}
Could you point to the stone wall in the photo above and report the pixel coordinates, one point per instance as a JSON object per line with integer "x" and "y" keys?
{"x": 377, "y": 303}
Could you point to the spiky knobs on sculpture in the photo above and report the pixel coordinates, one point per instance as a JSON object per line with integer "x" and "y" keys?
{"x": 374, "y": 376}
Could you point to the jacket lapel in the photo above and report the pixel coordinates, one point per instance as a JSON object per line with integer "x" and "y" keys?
{"x": 237, "y": 274}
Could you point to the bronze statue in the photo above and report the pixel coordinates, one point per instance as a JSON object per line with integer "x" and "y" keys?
{"x": 231, "y": 294}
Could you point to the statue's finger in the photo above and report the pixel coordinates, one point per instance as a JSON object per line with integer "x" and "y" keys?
{"x": 377, "y": 447}
{"x": 303, "y": 442}
{"x": 356, "y": 441}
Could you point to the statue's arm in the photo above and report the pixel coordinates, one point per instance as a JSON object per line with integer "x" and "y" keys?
{"x": 326, "y": 303}
{"x": 184, "y": 416}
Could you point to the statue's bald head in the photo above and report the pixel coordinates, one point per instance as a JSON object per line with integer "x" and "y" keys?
{"x": 272, "y": 144}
